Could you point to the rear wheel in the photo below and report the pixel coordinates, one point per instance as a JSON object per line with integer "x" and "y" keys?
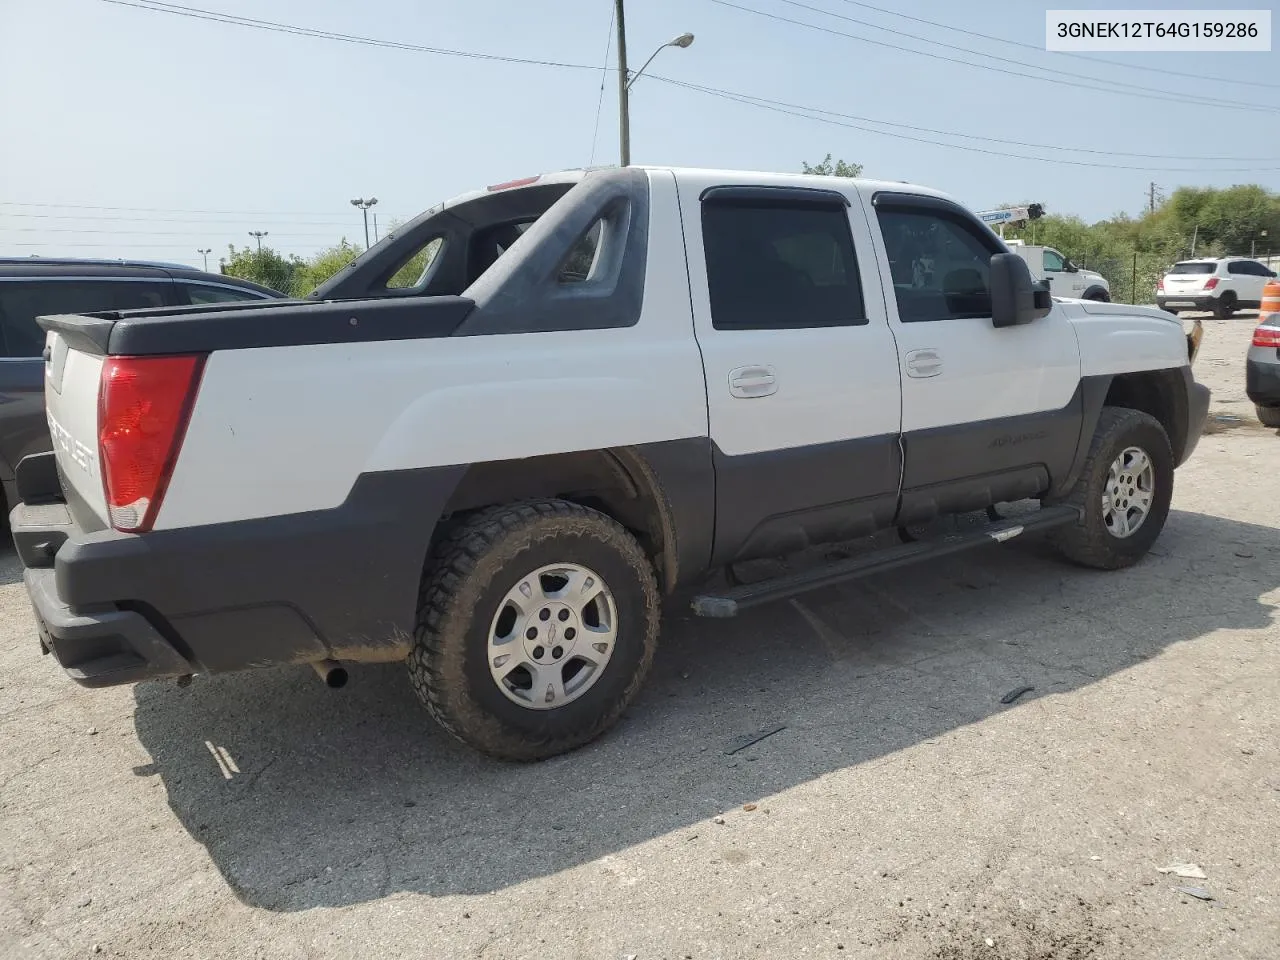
{"x": 1123, "y": 492}
{"x": 537, "y": 624}
{"x": 1270, "y": 416}
{"x": 1224, "y": 306}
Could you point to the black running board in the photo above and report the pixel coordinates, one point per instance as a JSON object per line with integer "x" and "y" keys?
{"x": 730, "y": 602}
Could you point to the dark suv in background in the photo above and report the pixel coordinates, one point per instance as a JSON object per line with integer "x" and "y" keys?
{"x": 35, "y": 286}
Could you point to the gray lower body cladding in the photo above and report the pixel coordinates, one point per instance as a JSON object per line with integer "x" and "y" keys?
{"x": 339, "y": 584}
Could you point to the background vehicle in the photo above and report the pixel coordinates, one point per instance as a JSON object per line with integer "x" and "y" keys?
{"x": 602, "y": 386}
{"x": 1065, "y": 278}
{"x": 36, "y": 286}
{"x": 1222, "y": 285}
{"x": 1262, "y": 363}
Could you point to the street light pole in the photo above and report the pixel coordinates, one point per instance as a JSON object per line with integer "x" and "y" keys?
{"x": 258, "y": 235}
{"x": 627, "y": 79}
{"x": 624, "y": 105}
{"x": 204, "y": 252}
{"x": 364, "y": 206}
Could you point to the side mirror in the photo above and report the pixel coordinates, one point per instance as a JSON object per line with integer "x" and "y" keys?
{"x": 1015, "y": 297}
{"x": 1070, "y": 267}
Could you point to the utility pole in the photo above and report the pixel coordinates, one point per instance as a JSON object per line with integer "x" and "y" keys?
{"x": 258, "y": 235}
{"x": 204, "y": 252}
{"x": 1151, "y": 197}
{"x": 364, "y": 206}
{"x": 375, "y": 228}
{"x": 624, "y": 106}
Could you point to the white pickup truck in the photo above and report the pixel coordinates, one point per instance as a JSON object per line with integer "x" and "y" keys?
{"x": 1065, "y": 279}
{"x": 603, "y": 386}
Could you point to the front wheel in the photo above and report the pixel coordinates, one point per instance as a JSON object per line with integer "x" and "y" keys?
{"x": 1123, "y": 492}
{"x": 1269, "y": 416}
{"x": 537, "y": 624}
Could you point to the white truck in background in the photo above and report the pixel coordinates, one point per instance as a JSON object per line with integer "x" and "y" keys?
{"x": 1065, "y": 279}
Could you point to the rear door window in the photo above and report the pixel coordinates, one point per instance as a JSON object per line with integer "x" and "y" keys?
{"x": 23, "y": 300}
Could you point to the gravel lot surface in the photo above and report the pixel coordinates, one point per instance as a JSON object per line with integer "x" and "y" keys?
{"x": 901, "y": 810}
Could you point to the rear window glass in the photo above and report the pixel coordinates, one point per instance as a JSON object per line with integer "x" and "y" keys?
{"x": 21, "y": 302}
{"x": 1194, "y": 268}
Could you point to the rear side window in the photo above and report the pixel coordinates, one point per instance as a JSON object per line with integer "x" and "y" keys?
{"x": 1238, "y": 266}
{"x": 775, "y": 267}
{"x": 22, "y": 301}
{"x": 199, "y": 293}
{"x": 940, "y": 265}
{"x": 1193, "y": 268}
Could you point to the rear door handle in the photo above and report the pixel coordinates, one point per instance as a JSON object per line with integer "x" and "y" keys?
{"x": 747, "y": 383}
{"x": 924, "y": 363}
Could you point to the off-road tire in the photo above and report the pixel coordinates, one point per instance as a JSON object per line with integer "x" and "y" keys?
{"x": 1088, "y": 542}
{"x": 1098, "y": 295}
{"x": 1224, "y": 306}
{"x": 471, "y": 570}
{"x": 1268, "y": 416}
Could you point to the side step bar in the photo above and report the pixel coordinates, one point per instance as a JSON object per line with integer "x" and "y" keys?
{"x": 730, "y": 602}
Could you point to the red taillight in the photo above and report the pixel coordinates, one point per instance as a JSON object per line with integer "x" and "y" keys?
{"x": 1160, "y": 284}
{"x": 1211, "y": 283}
{"x": 1266, "y": 336}
{"x": 143, "y": 407}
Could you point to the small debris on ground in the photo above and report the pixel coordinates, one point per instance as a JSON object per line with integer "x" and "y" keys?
{"x": 92, "y": 731}
{"x": 741, "y": 743}
{"x": 1244, "y": 553}
{"x": 989, "y": 942}
{"x": 719, "y": 820}
{"x": 1188, "y": 871}
{"x": 1095, "y": 858}
{"x": 748, "y": 807}
{"x": 1013, "y": 695}
{"x": 1200, "y": 893}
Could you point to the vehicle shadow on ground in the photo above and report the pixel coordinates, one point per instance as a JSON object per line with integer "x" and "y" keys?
{"x": 308, "y": 797}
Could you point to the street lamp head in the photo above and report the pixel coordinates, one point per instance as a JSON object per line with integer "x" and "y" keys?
{"x": 683, "y": 41}
{"x": 372, "y": 201}
{"x": 356, "y": 202}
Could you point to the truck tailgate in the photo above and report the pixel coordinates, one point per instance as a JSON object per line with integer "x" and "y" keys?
{"x": 71, "y": 406}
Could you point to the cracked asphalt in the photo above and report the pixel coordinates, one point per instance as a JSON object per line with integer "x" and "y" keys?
{"x": 899, "y": 809}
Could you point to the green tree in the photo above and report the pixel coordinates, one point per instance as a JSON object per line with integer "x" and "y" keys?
{"x": 826, "y": 168}
{"x": 323, "y": 265}
{"x": 263, "y": 266}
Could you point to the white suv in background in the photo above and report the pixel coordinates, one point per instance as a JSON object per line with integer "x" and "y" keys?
{"x": 1222, "y": 284}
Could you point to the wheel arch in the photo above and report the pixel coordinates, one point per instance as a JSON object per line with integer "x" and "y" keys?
{"x": 1097, "y": 292}
{"x": 1160, "y": 393}
{"x": 621, "y": 482}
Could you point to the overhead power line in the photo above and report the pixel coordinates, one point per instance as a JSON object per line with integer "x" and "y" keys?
{"x": 270, "y": 25}
{"x": 809, "y": 113}
{"x": 805, "y": 112}
{"x": 148, "y": 233}
{"x": 95, "y": 218}
{"x": 1163, "y": 97}
{"x": 93, "y": 206}
{"x": 950, "y": 28}
{"x": 1163, "y": 94}
{"x": 952, "y": 133}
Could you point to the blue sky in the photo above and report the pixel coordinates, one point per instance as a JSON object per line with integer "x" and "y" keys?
{"x": 157, "y": 116}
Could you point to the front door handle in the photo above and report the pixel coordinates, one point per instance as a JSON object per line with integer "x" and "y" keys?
{"x": 924, "y": 363}
{"x": 747, "y": 383}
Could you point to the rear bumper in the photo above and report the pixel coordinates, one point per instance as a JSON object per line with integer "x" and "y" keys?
{"x": 335, "y": 584}
{"x": 1186, "y": 303}
{"x": 1262, "y": 378}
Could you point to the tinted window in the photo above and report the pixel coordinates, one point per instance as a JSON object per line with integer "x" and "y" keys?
{"x": 940, "y": 265}
{"x": 584, "y": 255}
{"x": 772, "y": 267}
{"x": 1193, "y": 268}
{"x": 1251, "y": 268}
{"x": 1238, "y": 266}
{"x": 414, "y": 271}
{"x": 23, "y": 301}
{"x": 199, "y": 293}
{"x": 1052, "y": 261}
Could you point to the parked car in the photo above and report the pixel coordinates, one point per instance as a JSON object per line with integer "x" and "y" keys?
{"x": 1262, "y": 366}
{"x": 496, "y": 471}
{"x": 1222, "y": 285}
{"x": 36, "y": 286}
